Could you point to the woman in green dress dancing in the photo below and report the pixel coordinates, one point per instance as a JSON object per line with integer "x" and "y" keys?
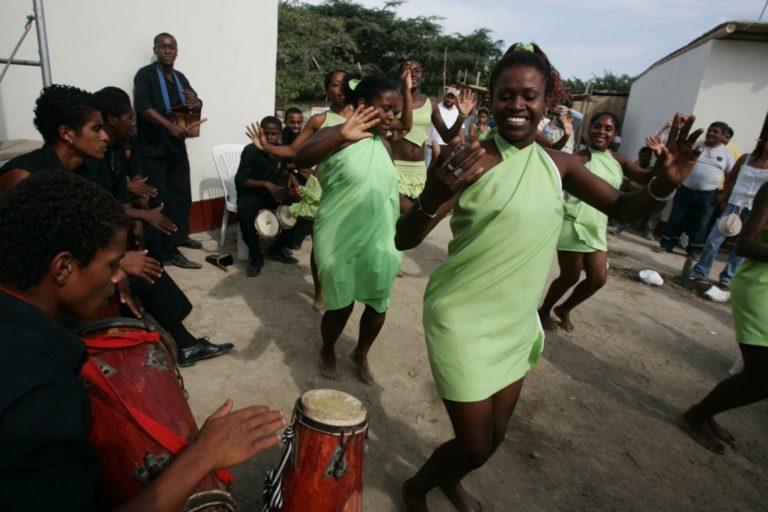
{"x": 355, "y": 224}
{"x": 480, "y": 319}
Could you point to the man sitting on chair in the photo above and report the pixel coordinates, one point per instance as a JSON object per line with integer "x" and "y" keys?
{"x": 259, "y": 186}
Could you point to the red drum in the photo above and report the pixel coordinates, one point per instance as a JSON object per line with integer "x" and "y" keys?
{"x": 324, "y": 472}
{"x": 141, "y": 418}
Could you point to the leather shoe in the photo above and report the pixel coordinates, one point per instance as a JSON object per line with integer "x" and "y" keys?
{"x": 181, "y": 261}
{"x": 283, "y": 255}
{"x": 191, "y": 244}
{"x": 254, "y": 269}
{"x": 203, "y": 349}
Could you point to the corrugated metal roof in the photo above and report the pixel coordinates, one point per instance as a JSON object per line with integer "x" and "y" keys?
{"x": 733, "y": 30}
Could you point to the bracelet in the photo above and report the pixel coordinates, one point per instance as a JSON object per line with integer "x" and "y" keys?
{"x": 417, "y": 204}
{"x": 654, "y": 196}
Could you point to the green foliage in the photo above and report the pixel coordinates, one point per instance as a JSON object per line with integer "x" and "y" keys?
{"x": 608, "y": 82}
{"x": 344, "y": 34}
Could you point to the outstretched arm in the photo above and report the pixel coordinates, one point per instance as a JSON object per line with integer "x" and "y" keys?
{"x": 633, "y": 171}
{"x": 254, "y": 133}
{"x": 329, "y": 140}
{"x": 748, "y": 244}
{"x": 405, "y": 122}
{"x": 466, "y": 104}
{"x": 675, "y": 162}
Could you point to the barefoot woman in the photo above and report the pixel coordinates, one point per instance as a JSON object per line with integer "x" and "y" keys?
{"x": 355, "y": 224}
{"x": 480, "y": 319}
{"x": 749, "y": 300}
{"x": 582, "y": 244}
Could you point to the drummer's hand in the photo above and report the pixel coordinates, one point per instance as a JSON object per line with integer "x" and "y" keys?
{"x": 256, "y": 135}
{"x": 138, "y": 264}
{"x": 177, "y": 131}
{"x": 450, "y": 173}
{"x": 126, "y": 297}
{"x": 193, "y": 102}
{"x": 356, "y": 128}
{"x": 278, "y": 192}
{"x": 229, "y": 438}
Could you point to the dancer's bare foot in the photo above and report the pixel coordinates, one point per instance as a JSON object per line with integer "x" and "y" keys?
{"x": 721, "y": 433}
{"x": 317, "y": 304}
{"x": 700, "y": 432}
{"x": 460, "y": 498}
{"x": 414, "y": 501}
{"x": 565, "y": 318}
{"x": 547, "y": 322}
{"x": 361, "y": 363}
{"x": 328, "y": 364}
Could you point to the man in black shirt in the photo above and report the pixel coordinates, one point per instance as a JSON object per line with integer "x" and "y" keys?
{"x": 260, "y": 185}
{"x": 158, "y": 90}
{"x": 51, "y": 266}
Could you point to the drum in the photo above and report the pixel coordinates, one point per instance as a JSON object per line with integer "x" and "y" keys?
{"x": 284, "y": 217}
{"x": 323, "y": 456}
{"x": 142, "y": 394}
{"x": 266, "y": 224}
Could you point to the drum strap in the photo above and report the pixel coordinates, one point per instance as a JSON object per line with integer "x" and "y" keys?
{"x": 273, "y": 493}
{"x": 157, "y": 431}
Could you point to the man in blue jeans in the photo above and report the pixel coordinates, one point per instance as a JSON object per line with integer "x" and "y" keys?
{"x": 694, "y": 202}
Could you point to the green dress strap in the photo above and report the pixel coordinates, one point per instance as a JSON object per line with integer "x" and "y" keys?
{"x": 354, "y": 231}
{"x": 480, "y": 320}
{"x": 332, "y": 119}
{"x": 584, "y": 226}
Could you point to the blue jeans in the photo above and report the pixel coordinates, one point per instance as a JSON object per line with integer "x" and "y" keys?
{"x": 712, "y": 245}
{"x": 691, "y": 212}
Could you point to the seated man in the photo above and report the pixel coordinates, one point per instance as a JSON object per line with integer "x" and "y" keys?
{"x": 260, "y": 185}
{"x": 51, "y": 266}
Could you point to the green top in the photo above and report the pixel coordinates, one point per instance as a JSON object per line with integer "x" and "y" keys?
{"x": 480, "y": 320}
{"x": 749, "y": 300}
{"x": 354, "y": 231}
{"x": 422, "y": 120}
{"x": 332, "y": 119}
{"x": 584, "y": 226}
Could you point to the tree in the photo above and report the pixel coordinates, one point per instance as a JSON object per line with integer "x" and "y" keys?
{"x": 608, "y": 82}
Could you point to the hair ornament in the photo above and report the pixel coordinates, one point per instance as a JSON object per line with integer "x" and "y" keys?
{"x": 524, "y": 47}
{"x": 353, "y": 84}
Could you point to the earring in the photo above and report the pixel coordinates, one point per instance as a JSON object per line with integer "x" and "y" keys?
{"x": 69, "y": 142}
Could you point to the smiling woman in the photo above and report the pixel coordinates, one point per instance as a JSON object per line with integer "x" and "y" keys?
{"x": 506, "y": 198}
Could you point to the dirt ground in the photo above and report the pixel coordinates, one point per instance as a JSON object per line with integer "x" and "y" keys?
{"x": 595, "y": 427}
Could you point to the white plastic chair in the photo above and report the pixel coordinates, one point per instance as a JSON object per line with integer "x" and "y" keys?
{"x": 226, "y": 158}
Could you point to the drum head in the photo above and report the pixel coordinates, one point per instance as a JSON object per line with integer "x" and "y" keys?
{"x": 284, "y": 217}
{"x": 266, "y": 224}
{"x": 332, "y": 407}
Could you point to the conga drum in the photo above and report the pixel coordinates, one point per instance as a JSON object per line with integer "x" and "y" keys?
{"x": 266, "y": 224}
{"x": 284, "y": 217}
{"x": 322, "y": 466}
{"x": 140, "y": 416}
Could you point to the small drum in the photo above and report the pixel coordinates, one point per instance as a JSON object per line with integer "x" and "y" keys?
{"x": 284, "y": 217}
{"x": 143, "y": 374}
{"x": 266, "y": 224}
{"x": 323, "y": 456}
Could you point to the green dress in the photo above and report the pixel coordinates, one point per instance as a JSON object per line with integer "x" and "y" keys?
{"x": 354, "y": 233}
{"x": 480, "y": 321}
{"x": 584, "y": 226}
{"x": 311, "y": 192}
{"x": 412, "y": 175}
{"x": 749, "y": 300}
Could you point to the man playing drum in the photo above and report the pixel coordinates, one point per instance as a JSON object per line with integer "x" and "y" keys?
{"x": 63, "y": 238}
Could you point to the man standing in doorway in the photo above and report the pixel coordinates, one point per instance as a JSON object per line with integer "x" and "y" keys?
{"x": 160, "y": 89}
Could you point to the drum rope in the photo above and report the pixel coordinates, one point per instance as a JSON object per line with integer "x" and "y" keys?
{"x": 272, "y": 495}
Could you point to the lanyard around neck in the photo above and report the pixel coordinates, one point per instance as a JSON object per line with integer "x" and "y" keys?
{"x": 164, "y": 89}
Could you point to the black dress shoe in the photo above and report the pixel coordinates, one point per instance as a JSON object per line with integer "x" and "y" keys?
{"x": 254, "y": 269}
{"x": 181, "y": 261}
{"x": 283, "y": 255}
{"x": 192, "y": 244}
{"x": 203, "y": 349}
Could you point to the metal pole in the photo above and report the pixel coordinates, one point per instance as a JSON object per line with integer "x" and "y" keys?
{"x": 42, "y": 42}
{"x": 8, "y": 63}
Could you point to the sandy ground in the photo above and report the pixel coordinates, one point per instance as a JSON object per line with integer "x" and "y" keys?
{"x": 595, "y": 427}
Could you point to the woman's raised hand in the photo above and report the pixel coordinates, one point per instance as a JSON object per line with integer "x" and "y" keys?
{"x": 454, "y": 170}
{"x": 254, "y": 133}
{"x": 467, "y": 101}
{"x": 677, "y": 157}
{"x": 405, "y": 76}
{"x": 356, "y": 128}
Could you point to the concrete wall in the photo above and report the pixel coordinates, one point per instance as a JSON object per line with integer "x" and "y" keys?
{"x": 226, "y": 49}
{"x": 734, "y": 89}
{"x": 659, "y": 93}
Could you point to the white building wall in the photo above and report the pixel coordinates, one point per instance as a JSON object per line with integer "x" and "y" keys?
{"x": 226, "y": 49}
{"x": 659, "y": 93}
{"x": 734, "y": 89}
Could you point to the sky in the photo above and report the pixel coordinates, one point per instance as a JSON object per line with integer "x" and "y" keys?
{"x": 586, "y": 37}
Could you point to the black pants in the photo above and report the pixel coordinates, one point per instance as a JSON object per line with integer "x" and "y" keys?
{"x": 170, "y": 174}
{"x": 164, "y": 300}
{"x": 159, "y": 244}
{"x": 248, "y": 206}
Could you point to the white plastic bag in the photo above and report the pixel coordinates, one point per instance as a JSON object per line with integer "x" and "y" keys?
{"x": 651, "y": 277}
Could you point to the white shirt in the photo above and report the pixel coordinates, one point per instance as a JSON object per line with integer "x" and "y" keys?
{"x": 708, "y": 172}
{"x": 449, "y": 116}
